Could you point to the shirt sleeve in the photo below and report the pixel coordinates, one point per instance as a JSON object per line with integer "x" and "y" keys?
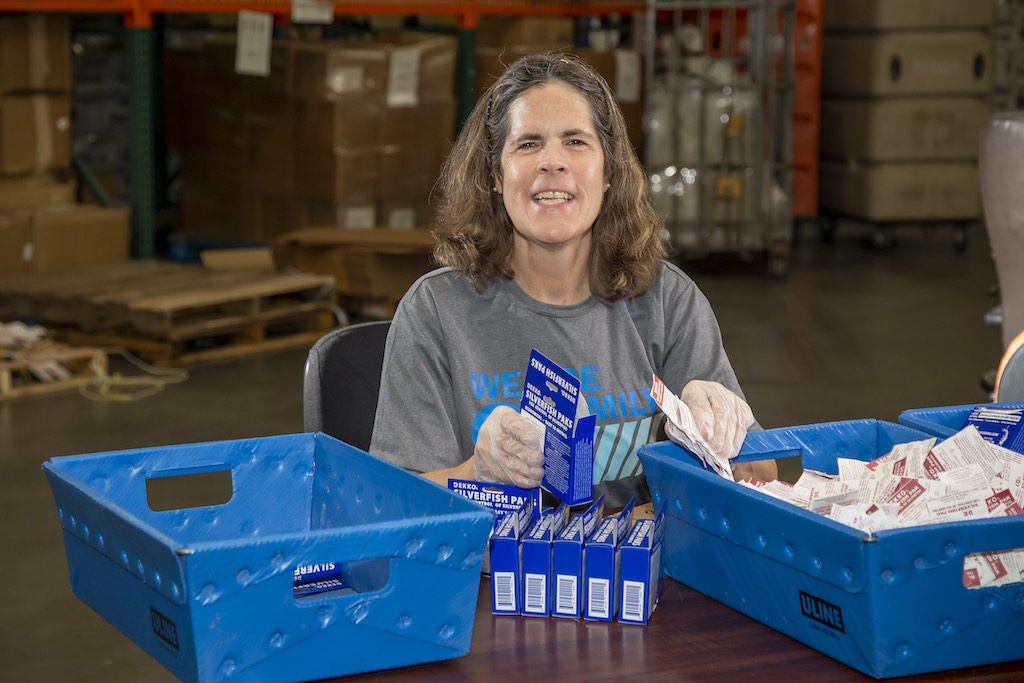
{"x": 693, "y": 339}
{"x": 415, "y": 426}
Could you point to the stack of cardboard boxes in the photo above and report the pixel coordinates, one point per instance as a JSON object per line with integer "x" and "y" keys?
{"x": 41, "y": 229}
{"x": 348, "y": 133}
{"x": 905, "y": 90}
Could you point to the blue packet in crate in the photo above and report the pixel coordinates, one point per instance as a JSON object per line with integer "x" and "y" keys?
{"x": 210, "y": 592}
{"x": 893, "y": 603}
{"x": 945, "y": 421}
{"x": 553, "y": 402}
{"x": 1001, "y": 426}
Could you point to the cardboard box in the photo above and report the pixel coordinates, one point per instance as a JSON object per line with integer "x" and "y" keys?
{"x": 31, "y": 191}
{"x": 60, "y": 238}
{"x": 372, "y": 264}
{"x": 546, "y": 33}
{"x": 887, "y": 604}
{"x": 908, "y": 63}
{"x": 902, "y": 128}
{"x": 901, "y": 191}
{"x": 409, "y": 551}
{"x": 397, "y": 69}
{"x": 904, "y": 14}
{"x": 535, "y": 549}
{"x": 35, "y": 52}
{"x": 35, "y": 133}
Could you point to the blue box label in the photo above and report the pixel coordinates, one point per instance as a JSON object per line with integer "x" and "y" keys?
{"x": 1001, "y": 426}
{"x": 536, "y": 560}
{"x": 509, "y": 528}
{"x": 641, "y": 583}
{"x": 601, "y": 565}
{"x": 567, "y": 560}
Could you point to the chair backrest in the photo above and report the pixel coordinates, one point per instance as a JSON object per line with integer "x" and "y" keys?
{"x": 342, "y": 380}
{"x": 1001, "y": 174}
{"x": 1010, "y": 375}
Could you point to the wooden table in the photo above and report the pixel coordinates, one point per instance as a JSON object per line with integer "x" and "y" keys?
{"x": 690, "y": 638}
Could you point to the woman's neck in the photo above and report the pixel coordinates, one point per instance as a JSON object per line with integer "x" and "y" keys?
{"x": 553, "y": 275}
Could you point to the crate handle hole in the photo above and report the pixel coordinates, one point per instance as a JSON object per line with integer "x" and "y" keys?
{"x": 189, "y": 488}
{"x": 334, "y": 579}
{"x": 993, "y": 569}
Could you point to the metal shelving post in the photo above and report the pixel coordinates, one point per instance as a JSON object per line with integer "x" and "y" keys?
{"x": 718, "y": 124}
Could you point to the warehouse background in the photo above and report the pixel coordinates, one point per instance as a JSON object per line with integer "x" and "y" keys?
{"x": 209, "y": 193}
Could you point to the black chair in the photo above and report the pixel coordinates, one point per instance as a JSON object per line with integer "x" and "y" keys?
{"x": 341, "y": 382}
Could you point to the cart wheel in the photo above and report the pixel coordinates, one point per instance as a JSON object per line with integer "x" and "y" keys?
{"x": 960, "y": 237}
{"x": 880, "y": 239}
{"x": 778, "y": 264}
{"x": 827, "y": 228}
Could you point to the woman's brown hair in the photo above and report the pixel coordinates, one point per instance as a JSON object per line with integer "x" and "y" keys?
{"x": 474, "y": 233}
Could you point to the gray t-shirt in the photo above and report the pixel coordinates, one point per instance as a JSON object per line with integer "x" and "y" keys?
{"x": 453, "y": 354}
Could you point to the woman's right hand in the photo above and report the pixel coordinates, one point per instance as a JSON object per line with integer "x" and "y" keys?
{"x": 508, "y": 450}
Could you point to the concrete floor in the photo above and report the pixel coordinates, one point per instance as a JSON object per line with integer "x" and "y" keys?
{"x": 851, "y": 332}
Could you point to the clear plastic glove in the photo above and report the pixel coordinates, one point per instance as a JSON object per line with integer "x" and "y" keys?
{"x": 721, "y": 416}
{"x": 509, "y": 450}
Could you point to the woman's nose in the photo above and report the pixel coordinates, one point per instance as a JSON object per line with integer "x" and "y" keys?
{"x": 552, "y": 161}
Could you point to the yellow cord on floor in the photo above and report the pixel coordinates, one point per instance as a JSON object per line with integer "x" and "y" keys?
{"x": 119, "y": 387}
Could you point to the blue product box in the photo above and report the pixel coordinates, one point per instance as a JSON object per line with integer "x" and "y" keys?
{"x": 208, "y": 591}
{"x": 567, "y": 560}
{"x": 553, "y": 402}
{"x": 945, "y": 421}
{"x": 536, "y": 560}
{"x": 498, "y": 497}
{"x": 506, "y": 577}
{"x": 887, "y": 604}
{"x": 640, "y": 570}
{"x": 601, "y": 565}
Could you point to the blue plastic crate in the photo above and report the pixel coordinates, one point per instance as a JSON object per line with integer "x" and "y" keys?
{"x": 889, "y": 604}
{"x": 945, "y": 421}
{"x": 207, "y": 591}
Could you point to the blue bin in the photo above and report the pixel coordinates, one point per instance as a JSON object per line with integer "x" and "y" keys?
{"x": 888, "y": 604}
{"x": 207, "y": 591}
{"x": 945, "y": 421}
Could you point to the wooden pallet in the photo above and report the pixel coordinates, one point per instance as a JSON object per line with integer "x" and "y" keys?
{"x": 175, "y": 314}
{"x": 85, "y": 364}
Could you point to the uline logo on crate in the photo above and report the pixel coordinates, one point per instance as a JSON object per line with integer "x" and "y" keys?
{"x": 821, "y": 611}
{"x": 164, "y": 628}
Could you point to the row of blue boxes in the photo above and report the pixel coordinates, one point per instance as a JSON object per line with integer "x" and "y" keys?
{"x": 209, "y": 592}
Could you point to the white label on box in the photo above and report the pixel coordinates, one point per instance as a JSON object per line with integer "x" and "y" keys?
{"x": 252, "y": 54}
{"x": 504, "y": 591}
{"x": 535, "y": 594}
{"x": 358, "y": 217}
{"x": 633, "y": 600}
{"x": 312, "y": 11}
{"x": 345, "y": 79}
{"x": 566, "y": 590}
{"x": 597, "y": 598}
{"x": 402, "y": 219}
{"x": 404, "y": 77}
{"x": 627, "y": 76}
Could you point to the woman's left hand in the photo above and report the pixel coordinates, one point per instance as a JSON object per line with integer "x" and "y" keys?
{"x": 720, "y": 415}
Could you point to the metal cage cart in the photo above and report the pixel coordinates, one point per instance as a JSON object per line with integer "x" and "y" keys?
{"x": 719, "y": 125}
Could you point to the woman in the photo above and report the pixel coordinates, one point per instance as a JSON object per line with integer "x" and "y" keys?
{"x": 548, "y": 241}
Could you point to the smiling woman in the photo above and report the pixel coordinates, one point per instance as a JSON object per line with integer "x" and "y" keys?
{"x": 549, "y": 242}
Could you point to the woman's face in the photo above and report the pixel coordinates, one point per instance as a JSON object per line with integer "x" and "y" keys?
{"x": 552, "y": 166}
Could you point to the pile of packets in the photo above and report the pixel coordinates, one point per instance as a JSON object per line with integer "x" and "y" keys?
{"x": 965, "y": 477}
